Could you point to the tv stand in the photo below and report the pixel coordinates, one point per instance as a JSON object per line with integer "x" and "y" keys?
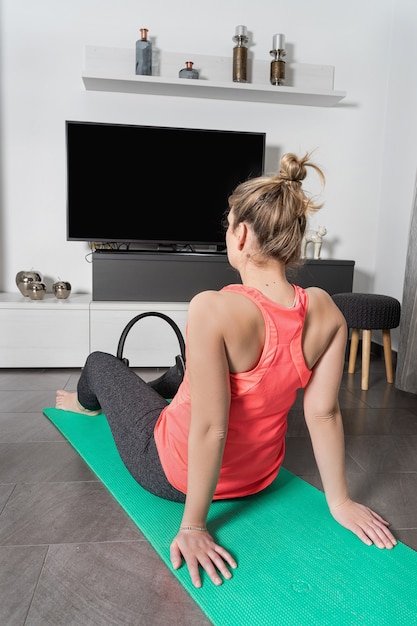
{"x": 167, "y": 276}
{"x": 158, "y": 276}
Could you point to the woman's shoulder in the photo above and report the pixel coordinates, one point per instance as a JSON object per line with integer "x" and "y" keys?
{"x": 202, "y": 299}
{"x": 205, "y": 304}
{"x": 321, "y": 305}
{"x": 320, "y": 297}
{"x": 224, "y": 305}
{"x": 206, "y": 301}
{"x": 212, "y": 295}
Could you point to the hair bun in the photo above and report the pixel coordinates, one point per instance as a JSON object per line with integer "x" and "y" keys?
{"x": 292, "y": 168}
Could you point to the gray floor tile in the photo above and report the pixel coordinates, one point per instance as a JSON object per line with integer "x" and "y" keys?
{"x": 25, "y": 462}
{"x": 6, "y": 491}
{"x": 297, "y": 426}
{"x": 393, "y": 398}
{"x": 349, "y": 398}
{"x": 367, "y": 421}
{"x": 77, "y": 587}
{"x": 27, "y": 427}
{"x": 33, "y": 380}
{"x": 299, "y": 457}
{"x": 72, "y": 382}
{"x": 26, "y": 401}
{"x": 65, "y": 512}
{"x": 383, "y": 453}
{"x": 20, "y": 568}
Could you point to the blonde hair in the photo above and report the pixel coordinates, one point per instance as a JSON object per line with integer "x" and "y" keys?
{"x": 277, "y": 208}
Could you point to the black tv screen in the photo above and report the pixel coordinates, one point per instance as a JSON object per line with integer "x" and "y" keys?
{"x": 155, "y": 185}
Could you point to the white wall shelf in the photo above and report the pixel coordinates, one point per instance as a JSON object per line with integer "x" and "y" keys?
{"x": 112, "y": 69}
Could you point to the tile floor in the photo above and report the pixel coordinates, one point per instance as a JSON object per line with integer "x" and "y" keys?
{"x": 69, "y": 555}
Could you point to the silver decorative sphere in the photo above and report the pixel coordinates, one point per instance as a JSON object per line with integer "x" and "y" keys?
{"x": 25, "y": 279}
{"x": 61, "y": 289}
{"x": 36, "y": 290}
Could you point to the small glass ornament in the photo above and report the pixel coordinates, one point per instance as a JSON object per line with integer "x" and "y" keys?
{"x": 188, "y": 71}
{"x": 278, "y": 64}
{"x": 240, "y": 55}
{"x": 143, "y": 54}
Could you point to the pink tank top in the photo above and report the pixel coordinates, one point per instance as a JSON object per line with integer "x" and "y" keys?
{"x": 260, "y": 402}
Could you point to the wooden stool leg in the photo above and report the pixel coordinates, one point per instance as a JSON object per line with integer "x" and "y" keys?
{"x": 386, "y": 338}
{"x": 354, "y": 342}
{"x": 366, "y": 358}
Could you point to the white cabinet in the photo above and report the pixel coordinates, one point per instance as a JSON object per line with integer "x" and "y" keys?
{"x": 44, "y": 333}
{"x": 151, "y": 342}
{"x": 62, "y": 333}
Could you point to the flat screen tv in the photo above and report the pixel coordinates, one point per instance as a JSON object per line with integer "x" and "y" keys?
{"x": 163, "y": 186}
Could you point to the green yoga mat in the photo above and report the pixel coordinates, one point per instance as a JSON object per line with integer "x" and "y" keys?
{"x": 297, "y": 566}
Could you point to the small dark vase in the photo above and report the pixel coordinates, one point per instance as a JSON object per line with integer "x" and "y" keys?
{"x": 188, "y": 71}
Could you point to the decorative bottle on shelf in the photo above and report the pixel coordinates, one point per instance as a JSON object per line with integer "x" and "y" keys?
{"x": 143, "y": 54}
{"x": 278, "y": 64}
{"x": 240, "y": 55}
{"x": 187, "y": 71}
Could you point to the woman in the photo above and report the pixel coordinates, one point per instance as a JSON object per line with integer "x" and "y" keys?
{"x": 250, "y": 347}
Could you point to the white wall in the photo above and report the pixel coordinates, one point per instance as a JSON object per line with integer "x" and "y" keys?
{"x": 366, "y": 145}
{"x": 399, "y": 163}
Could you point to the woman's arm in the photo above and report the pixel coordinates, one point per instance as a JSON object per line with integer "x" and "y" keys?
{"x": 208, "y": 373}
{"x": 324, "y": 421}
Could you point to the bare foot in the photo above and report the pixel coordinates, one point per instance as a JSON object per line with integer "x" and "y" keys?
{"x": 68, "y": 401}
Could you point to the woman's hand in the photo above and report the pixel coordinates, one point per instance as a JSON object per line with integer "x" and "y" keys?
{"x": 370, "y": 527}
{"x": 198, "y": 548}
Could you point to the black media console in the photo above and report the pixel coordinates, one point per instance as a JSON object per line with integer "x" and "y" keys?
{"x": 136, "y": 276}
{"x": 331, "y": 275}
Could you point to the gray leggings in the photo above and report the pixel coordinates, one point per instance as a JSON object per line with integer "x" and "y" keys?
{"x": 132, "y": 408}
